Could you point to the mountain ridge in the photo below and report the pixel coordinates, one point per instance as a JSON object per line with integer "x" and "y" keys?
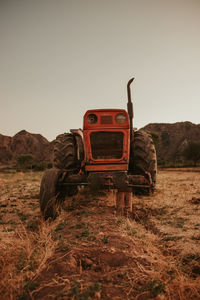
{"x": 171, "y": 140}
{"x": 24, "y": 142}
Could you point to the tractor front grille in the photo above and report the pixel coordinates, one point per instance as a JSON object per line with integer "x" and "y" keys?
{"x": 106, "y": 145}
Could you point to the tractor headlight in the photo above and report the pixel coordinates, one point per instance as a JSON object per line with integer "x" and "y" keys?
{"x": 120, "y": 118}
{"x": 92, "y": 119}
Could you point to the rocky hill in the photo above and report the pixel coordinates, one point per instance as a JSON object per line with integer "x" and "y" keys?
{"x": 24, "y": 142}
{"x": 172, "y": 139}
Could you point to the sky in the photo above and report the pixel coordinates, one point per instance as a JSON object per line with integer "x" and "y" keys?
{"x": 59, "y": 58}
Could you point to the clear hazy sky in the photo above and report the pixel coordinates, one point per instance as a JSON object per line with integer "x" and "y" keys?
{"x": 59, "y": 58}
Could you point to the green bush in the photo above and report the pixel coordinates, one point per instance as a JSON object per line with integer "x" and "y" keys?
{"x": 192, "y": 152}
{"x": 25, "y": 161}
{"x": 156, "y": 137}
{"x": 41, "y": 166}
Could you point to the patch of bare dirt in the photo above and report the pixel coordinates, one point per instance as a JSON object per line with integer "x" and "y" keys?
{"x": 90, "y": 252}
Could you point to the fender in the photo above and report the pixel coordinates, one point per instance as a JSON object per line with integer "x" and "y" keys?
{"x": 78, "y": 134}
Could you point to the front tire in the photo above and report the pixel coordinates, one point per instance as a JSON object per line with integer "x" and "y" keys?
{"x": 50, "y": 197}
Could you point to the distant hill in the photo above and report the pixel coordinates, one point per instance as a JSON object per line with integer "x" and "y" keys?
{"x": 24, "y": 142}
{"x": 172, "y": 139}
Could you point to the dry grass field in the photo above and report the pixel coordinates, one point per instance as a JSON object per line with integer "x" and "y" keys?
{"x": 89, "y": 252}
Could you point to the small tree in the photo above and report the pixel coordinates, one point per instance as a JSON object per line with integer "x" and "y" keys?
{"x": 192, "y": 152}
{"x": 25, "y": 161}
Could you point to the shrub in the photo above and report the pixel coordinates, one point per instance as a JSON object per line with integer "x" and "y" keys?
{"x": 156, "y": 137}
{"x": 192, "y": 152}
{"x": 25, "y": 161}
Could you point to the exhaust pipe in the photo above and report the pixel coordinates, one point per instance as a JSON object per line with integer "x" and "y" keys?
{"x": 130, "y": 107}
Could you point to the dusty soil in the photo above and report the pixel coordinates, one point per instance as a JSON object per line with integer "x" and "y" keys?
{"x": 90, "y": 252}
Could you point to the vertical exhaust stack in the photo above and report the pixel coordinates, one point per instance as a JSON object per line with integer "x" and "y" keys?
{"x": 130, "y": 107}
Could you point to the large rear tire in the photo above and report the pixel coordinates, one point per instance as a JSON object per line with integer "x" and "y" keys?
{"x": 65, "y": 158}
{"x": 50, "y": 196}
{"x": 65, "y": 152}
{"x": 143, "y": 155}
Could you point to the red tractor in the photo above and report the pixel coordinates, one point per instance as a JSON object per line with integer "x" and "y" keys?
{"x": 107, "y": 153}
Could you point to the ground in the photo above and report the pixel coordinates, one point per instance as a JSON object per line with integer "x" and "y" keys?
{"x": 91, "y": 252}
